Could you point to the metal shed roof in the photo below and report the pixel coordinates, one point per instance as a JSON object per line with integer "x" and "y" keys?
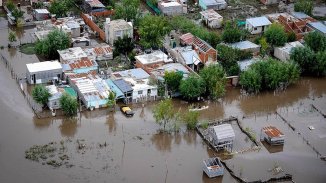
{"x": 115, "y": 89}
{"x": 42, "y": 11}
{"x": 137, "y": 73}
{"x": 258, "y": 21}
{"x": 243, "y": 45}
{"x": 123, "y": 85}
{"x": 224, "y": 131}
{"x": 43, "y": 66}
{"x": 318, "y": 26}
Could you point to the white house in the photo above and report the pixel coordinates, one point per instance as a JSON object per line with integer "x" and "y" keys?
{"x": 170, "y": 8}
{"x": 43, "y": 72}
{"x": 283, "y": 53}
{"x": 257, "y": 25}
{"x": 211, "y": 18}
{"x": 117, "y": 28}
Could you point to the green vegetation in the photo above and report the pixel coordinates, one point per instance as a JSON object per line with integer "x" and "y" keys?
{"x": 172, "y": 80}
{"x": 55, "y": 40}
{"x": 41, "y": 94}
{"x": 305, "y": 6}
{"x": 264, "y": 46}
{"x": 60, "y": 8}
{"x": 291, "y": 37}
{"x": 28, "y": 48}
{"x": 10, "y": 5}
{"x": 316, "y": 41}
{"x": 12, "y": 37}
{"x": 17, "y": 13}
{"x": 269, "y": 74}
{"x": 251, "y": 133}
{"x": 128, "y": 10}
{"x": 191, "y": 119}
{"x": 111, "y": 102}
{"x": 124, "y": 45}
{"x": 68, "y": 104}
{"x": 214, "y": 77}
{"x": 232, "y": 33}
{"x": 192, "y": 87}
{"x": 204, "y": 124}
{"x": 165, "y": 115}
{"x": 276, "y": 35}
{"x": 152, "y": 30}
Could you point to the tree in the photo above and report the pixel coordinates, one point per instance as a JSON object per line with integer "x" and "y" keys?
{"x": 276, "y": 35}
{"x": 191, "y": 119}
{"x": 111, "y": 101}
{"x": 172, "y": 80}
{"x": 320, "y": 67}
{"x": 12, "y": 37}
{"x": 17, "y": 13}
{"x": 305, "y": 57}
{"x": 68, "y": 104}
{"x": 164, "y": 113}
{"x": 263, "y": 46}
{"x": 10, "y": 5}
{"x": 55, "y": 40}
{"x": 192, "y": 87}
{"x": 316, "y": 41}
{"x": 124, "y": 45}
{"x": 41, "y": 94}
{"x": 305, "y": 6}
{"x": 128, "y": 10}
{"x": 152, "y": 30}
{"x": 232, "y": 33}
{"x": 251, "y": 81}
{"x": 60, "y": 8}
{"x": 291, "y": 37}
{"x": 214, "y": 77}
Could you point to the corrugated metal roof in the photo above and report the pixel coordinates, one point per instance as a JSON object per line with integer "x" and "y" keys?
{"x": 190, "y": 56}
{"x": 115, "y": 89}
{"x": 122, "y": 85}
{"x": 224, "y": 131}
{"x": 95, "y": 3}
{"x": 137, "y": 73}
{"x": 272, "y": 131}
{"x": 258, "y": 21}
{"x": 300, "y": 15}
{"x": 319, "y": 26}
{"x": 243, "y": 45}
{"x": 43, "y": 66}
{"x": 42, "y": 11}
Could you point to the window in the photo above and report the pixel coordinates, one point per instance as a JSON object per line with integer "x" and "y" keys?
{"x": 255, "y": 28}
{"x": 140, "y": 92}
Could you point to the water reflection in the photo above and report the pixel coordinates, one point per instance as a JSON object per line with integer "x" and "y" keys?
{"x": 111, "y": 122}
{"x": 42, "y": 123}
{"x": 162, "y": 141}
{"x": 68, "y": 127}
{"x": 190, "y": 137}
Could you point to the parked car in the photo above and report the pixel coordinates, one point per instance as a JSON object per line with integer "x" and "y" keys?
{"x": 127, "y": 111}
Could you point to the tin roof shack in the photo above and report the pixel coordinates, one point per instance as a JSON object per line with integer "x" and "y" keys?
{"x": 190, "y": 57}
{"x": 72, "y": 54}
{"x": 43, "y": 72}
{"x": 213, "y": 167}
{"x": 246, "y": 46}
{"x": 117, "y": 28}
{"x": 257, "y": 25}
{"x": 102, "y": 52}
{"x": 268, "y": 2}
{"x": 318, "y": 26}
{"x": 283, "y": 53}
{"x": 56, "y": 93}
{"x": 222, "y": 136}
{"x": 211, "y": 18}
{"x": 41, "y": 14}
{"x": 170, "y": 8}
{"x": 91, "y": 89}
{"x": 206, "y": 52}
{"x": 151, "y": 61}
{"x": 90, "y": 6}
{"x": 159, "y": 72}
{"x": 81, "y": 65}
{"x": 272, "y": 135}
{"x": 186, "y": 39}
{"x": 212, "y": 4}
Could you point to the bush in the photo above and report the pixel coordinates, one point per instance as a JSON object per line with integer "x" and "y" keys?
{"x": 306, "y": 59}
{"x": 316, "y": 41}
{"x": 276, "y": 35}
{"x": 191, "y": 119}
{"x": 192, "y": 87}
{"x": 305, "y": 6}
{"x": 251, "y": 81}
{"x": 10, "y": 5}
{"x": 214, "y": 77}
{"x": 68, "y": 104}
{"x": 232, "y": 33}
{"x": 41, "y": 94}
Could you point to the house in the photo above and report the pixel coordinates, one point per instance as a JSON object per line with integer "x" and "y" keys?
{"x": 191, "y": 58}
{"x": 56, "y": 93}
{"x": 117, "y": 29}
{"x": 186, "y": 39}
{"x": 41, "y": 14}
{"x": 268, "y": 2}
{"x": 211, "y": 18}
{"x": 221, "y": 136}
{"x": 142, "y": 90}
{"x": 212, "y": 4}
{"x": 206, "y": 52}
{"x": 102, "y": 52}
{"x": 283, "y": 53}
{"x": 151, "y": 61}
{"x": 272, "y": 135}
{"x": 71, "y": 54}
{"x": 43, "y": 72}
{"x": 170, "y": 8}
{"x": 318, "y": 26}
{"x": 91, "y": 6}
{"x": 92, "y": 90}
{"x": 247, "y": 46}
{"x": 257, "y": 25}
{"x": 80, "y": 65}
{"x": 137, "y": 74}
{"x": 125, "y": 88}
{"x": 159, "y": 72}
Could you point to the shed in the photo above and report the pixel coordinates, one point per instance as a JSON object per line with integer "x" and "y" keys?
{"x": 41, "y": 14}
{"x": 222, "y": 136}
{"x": 257, "y": 25}
{"x": 247, "y": 46}
{"x": 283, "y": 53}
{"x": 268, "y": 2}
{"x": 212, "y": 4}
{"x": 272, "y": 135}
{"x": 170, "y": 8}
{"x": 318, "y": 26}
{"x": 211, "y": 18}
{"x": 43, "y": 72}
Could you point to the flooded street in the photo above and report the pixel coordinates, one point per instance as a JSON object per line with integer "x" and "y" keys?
{"x": 136, "y": 152}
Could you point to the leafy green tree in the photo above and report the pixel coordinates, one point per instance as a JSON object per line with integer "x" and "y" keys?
{"x": 17, "y": 13}
{"x": 305, "y": 6}
{"x": 124, "y": 45}
{"x": 165, "y": 114}
{"x": 305, "y": 57}
{"x": 214, "y": 77}
{"x": 276, "y": 35}
{"x": 41, "y": 94}
{"x": 320, "y": 67}
{"x": 12, "y": 37}
{"x": 192, "y": 87}
{"x": 60, "y": 7}
{"x": 191, "y": 119}
{"x": 55, "y": 40}
{"x": 263, "y": 46}
{"x": 291, "y": 37}
{"x": 251, "y": 81}
{"x": 111, "y": 101}
{"x": 232, "y": 33}
{"x": 173, "y": 80}
{"x": 316, "y": 41}
{"x": 152, "y": 30}
{"x": 128, "y": 10}
{"x": 109, "y": 3}
{"x": 68, "y": 104}
{"x": 10, "y": 5}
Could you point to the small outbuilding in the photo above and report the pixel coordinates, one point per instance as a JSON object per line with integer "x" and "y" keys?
{"x": 257, "y": 25}
{"x": 170, "y": 8}
{"x": 283, "y": 53}
{"x": 212, "y": 4}
{"x": 43, "y": 72}
{"x": 211, "y": 18}
{"x": 247, "y": 46}
{"x": 41, "y": 14}
{"x": 222, "y": 136}
{"x": 272, "y": 135}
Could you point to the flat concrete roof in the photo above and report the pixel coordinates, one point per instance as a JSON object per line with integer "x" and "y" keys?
{"x": 43, "y": 66}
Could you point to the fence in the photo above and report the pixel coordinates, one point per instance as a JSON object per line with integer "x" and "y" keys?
{"x": 93, "y": 26}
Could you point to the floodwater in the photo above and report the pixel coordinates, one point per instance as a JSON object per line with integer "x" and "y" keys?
{"x": 137, "y": 152}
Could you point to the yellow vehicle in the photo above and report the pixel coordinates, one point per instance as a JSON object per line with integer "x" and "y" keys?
{"x": 127, "y": 111}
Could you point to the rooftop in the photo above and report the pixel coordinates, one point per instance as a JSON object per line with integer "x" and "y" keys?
{"x": 272, "y": 131}
{"x": 122, "y": 85}
{"x": 72, "y": 53}
{"x": 42, "y": 11}
{"x": 187, "y": 38}
{"x": 201, "y": 44}
{"x": 176, "y": 67}
{"x": 288, "y": 46}
{"x": 243, "y": 45}
{"x": 245, "y": 64}
{"x": 120, "y": 24}
{"x": 210, "y": 14}
{"x": 99, "y": 51}
{"x": 190, "y": 56}
{"x": 137, "y": 74}
{"x": 212, "y": 2}
{"x": 224, "y": 131}
{"x": 319, "y": 26}
{"x": 152, "y": 58}
{"x": 115, "y": 89}
{"x": 169, "y": 4}
{"x": 95, "y": 3}
{"x": 43, "y": 66}
{"x": 258, "y": 21}
{"x": 70, "y": 65}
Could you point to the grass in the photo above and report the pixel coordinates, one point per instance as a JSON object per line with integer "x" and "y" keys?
{"x": 28, "y": 48}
